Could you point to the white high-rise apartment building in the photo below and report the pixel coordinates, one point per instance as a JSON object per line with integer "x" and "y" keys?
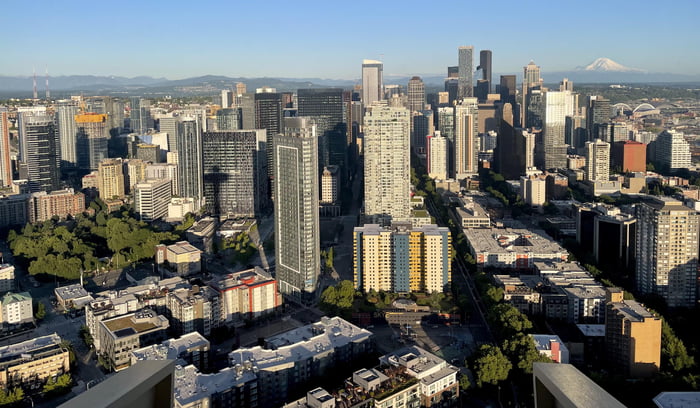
{"x": 297, "y": 239}
{"x": 466, "y": 138}
{"x": 667, "y": 251}
{"x": 597, "y": 160}
{"x": 437, "y": 161}
{"x": 387, "y": 161}
{"x": 151, "y": 199}
{"x": 533, "y": 190}
{"x": 672, "y": 150}
{"x": 66, "y": 110}
{"x": 372, "y": 81}
{"x": 329, "y": 184}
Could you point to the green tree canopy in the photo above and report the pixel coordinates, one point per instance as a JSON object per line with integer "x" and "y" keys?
{"x": 491, "y": 366}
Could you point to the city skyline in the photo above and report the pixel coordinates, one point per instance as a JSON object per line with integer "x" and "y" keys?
{"x": 240, "y": 40}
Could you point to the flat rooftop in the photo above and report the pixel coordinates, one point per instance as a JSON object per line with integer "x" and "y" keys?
{"x": 251, "y": 276}
{"x": 300, "y": 343}
{"x": 135, "y": 323}
{"x": 504, "y": 240}
{"x": 69, "y": 292}
{"x": 677, "y": 400}
{"x": 171, "y": 349}
{"x": 182, "y": 247}
{"x": 26, "y": 347}
{"x": 633, "y": 310}
{"x": 190, "y": 385}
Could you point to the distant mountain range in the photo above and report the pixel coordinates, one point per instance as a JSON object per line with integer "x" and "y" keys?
{"x": 602, "y": 70}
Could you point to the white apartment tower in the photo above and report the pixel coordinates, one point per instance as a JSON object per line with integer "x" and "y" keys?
{"x": 437, "y": 160}
{"x": 387, "y": 161}
{"x": 297, "y": 242}
{"x": 466, "y": 138}
{"x": 597, "y": 160}
{"x": 672, "y": 150}
{"x": 667, "y": 251}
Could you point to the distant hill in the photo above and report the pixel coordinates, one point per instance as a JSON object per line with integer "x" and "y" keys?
{"x": 602, "y": 70}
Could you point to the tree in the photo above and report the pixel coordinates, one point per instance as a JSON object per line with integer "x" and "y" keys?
{"x": 522, "y": 352}
{"x": 509, "y": 320}
{"x": 40, "y": 311}
{"x": 60, "y": 385}
{"x": 491, "y": 366}
{"x": 674, "y": 355}
{"x": 464, "y": 382}
{"x": 12, "y": 396}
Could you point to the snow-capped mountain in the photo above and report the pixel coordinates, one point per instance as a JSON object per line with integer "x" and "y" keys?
{"x": 607, "y": 65}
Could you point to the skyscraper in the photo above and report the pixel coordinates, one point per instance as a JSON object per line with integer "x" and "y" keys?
{"x": 598, "y": 115}
{"x": 92, "y": 139}
{"x": 151, "y": 199}
{"x": 667, "y": 251}
{"x": 327, "y": 102}
{"x": 485, "y": 66}
{"x": 235, "y": 173}
{"x": 191, "y": 172}
{"x": 416, "y": 94}
{"x": 507, "y": 89}
{"x": 558, "y": 105}
{"x": 672, "y": 151}
{"x": 466, "y": 138}
{"x": 597, "y": 160}
{"x": 110, "y": 179}
{"x": 446, "y": 126}
{"x": 39, "y": 150}
{"x": 466, "y": 72}
{"x": 227, "y": 119}
{"x": 437, "y": 159}
{"x": 66, "y": 110}
{"x": 402, "y": 259}
{"x": 387, "y": 160}
{"x": 169, "y": 126}
{"x": 372, "y": 81}
{"x": 5, "y": 163}
{"x": 531, "y": 80}
{"x": 297, "y": 240}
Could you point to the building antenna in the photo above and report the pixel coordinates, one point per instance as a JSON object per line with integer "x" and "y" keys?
{"x": 35, "y": 94}
{"x": 48, "y": 92}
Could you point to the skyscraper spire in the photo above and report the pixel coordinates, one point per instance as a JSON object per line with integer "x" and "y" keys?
{"x": 36, "y": 96}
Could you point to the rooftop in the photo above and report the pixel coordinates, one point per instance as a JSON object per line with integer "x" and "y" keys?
{"x": 592, "y": 330}
{"x": 677, "y": 400}
{"x": 70, "y": 292}
{"x": 182, "y": 247}
{"x": 171, "y": 349}
{"x": 190, "y": 385}
{"x": 247, "y": 277}
{"x": 135, "y": 323}
{"x": 633, "y": 310}
{"x": 26, "y": 347}
{"x": 11, "y": 297}
{"x": 300, "y": 343}
{"x": 504, "y": 240}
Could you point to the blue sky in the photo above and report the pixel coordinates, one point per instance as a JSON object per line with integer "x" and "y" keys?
{"x": 328, "y": 39}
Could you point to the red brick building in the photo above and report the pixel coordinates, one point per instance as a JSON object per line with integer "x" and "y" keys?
{"x": 630, "y": 156}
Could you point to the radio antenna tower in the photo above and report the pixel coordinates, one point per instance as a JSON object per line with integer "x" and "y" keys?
{"x": 35, "y": 94}
{"x": 48, "y": 92}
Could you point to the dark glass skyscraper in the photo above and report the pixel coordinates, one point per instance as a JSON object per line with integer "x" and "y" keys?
{"x": 485, "y": 66}
{"x": 190, "y": 168}
{"x": 235, "y": 173}
{"x": 328, "y": 103}
{"x": 38, "y": 147}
